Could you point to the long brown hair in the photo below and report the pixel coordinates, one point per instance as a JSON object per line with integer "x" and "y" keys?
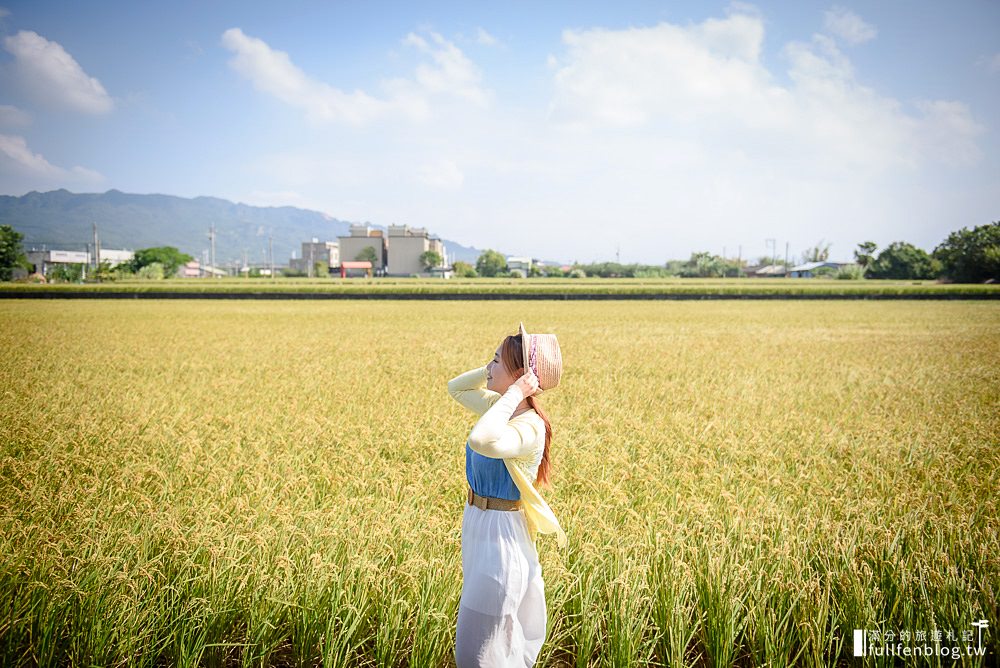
{"x": 513, "y": 361}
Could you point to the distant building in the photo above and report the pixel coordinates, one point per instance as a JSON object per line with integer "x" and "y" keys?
{"x": 42, "y": 261}
{"x": 114, "y": 256}
{"x": 327, "y": 252}
{"x": 360, "y": 237}
{"x": 767, "y": 271}
{"x": 407, "y": 245}
{"x": 523, "y": 264}
{"x": 808, "y": 269}
{"x": 190, "y": 269}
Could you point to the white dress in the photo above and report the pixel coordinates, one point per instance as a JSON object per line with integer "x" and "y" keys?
{"x": 501, "y": 615}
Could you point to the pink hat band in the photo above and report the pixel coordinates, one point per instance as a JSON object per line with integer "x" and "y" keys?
{"x": 541, "y": 354}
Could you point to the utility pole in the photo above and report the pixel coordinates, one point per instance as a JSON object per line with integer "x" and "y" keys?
{"x": 310, "y": 260}
{"x": 97, "y": 248}
{"x": 211, "y": 235}
{"x": 270, "y": 255}
{"x": 786, "y": 259}
{"x": 245, "y": 263}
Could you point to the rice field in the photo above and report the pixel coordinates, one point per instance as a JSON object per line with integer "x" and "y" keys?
{"x": 551, "y": 287}
{"x": 269, "y": 483}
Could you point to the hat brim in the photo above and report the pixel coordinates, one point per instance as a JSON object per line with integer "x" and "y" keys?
{"x": 525, "y": 355}
{"x": 524, "y": 346}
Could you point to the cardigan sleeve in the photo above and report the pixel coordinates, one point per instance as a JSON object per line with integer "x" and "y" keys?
{"x": 469, "y": 389}
{"x": 496, "y": 436}
{"x": 537, "y": 513}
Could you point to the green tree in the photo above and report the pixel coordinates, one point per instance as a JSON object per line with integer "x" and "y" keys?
{"x": 430, "y": 259}
{"x": 11, "y": 252}
{"x": 321, "y": 269}
{"x": 151, "y": 272}
{"x": 818, "y": 253}
{"x": 103, "y": 272}
{"x": 903, "y": 261}
{"x": 367, "y": 254}
{"x": 823, "y": 272}
{"x": 167, "y": 256}
{"x": 66, "y": 272}
{"x": 704, "y": 265}
{"x": 463, "y": 269}
{"x": 865, "y": 255}
{"x": 491, "y": 263}
{"x": 971, "y": 256}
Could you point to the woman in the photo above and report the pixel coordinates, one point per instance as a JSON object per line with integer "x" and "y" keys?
{"x": 502, "y": 614}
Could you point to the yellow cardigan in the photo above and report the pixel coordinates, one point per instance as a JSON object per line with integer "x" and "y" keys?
{"x": 519, "y": 441}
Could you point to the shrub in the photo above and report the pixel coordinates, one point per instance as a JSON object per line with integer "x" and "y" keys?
{"x": 150, "y": 272}
{"x": 850, "y": 272}
{"x": 578, "y": 273}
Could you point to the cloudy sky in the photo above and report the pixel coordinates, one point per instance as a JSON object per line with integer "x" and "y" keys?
{"x": 570, "y": 131}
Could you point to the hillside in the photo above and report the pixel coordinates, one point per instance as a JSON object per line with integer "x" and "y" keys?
{"x": 62, "y": 219}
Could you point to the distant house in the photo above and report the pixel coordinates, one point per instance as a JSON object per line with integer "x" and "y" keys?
{"x": 808, "y": 269}
{"x": 522, "y": 264}
{"x": 767, "y": 271}
{"x": 42, "y": 261}
{"x": 360, "y": 237}
{"x": 191, "y": 269}
{"x": 326, "y": 253}
{"x": 406, "y": 245}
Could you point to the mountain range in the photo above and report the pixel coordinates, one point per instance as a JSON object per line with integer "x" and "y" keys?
{"x": 63, "y": 220}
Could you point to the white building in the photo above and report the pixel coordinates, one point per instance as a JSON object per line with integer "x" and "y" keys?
{"x": 42, "y": 261}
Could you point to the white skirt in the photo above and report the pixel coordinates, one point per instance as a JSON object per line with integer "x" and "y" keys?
{"x": 501, "y": 615}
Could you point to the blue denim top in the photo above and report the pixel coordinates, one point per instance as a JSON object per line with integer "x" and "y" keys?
{"x": 488, "y": 476}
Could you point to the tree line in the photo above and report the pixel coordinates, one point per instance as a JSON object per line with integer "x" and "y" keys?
{"x": 965, "y": 256}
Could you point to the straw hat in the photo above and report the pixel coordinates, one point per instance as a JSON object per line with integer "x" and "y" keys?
{"x": 543, "y": 357}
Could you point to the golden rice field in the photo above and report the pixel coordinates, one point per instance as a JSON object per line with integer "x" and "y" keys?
{"x": 239, "y": 483}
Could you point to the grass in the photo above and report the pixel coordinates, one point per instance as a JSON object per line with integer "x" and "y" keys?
{"x": 281, "y": 483}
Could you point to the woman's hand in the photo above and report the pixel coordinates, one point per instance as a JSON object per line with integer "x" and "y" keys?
{"x": 528, "y": 383}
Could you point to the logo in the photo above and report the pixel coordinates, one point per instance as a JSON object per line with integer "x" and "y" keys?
{"x": 948, "y": 644}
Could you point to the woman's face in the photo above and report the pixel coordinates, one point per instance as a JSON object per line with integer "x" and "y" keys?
{"x": 497, "y": 378}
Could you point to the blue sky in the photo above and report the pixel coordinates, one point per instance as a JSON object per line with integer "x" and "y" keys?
{"x": 568, "y": 131}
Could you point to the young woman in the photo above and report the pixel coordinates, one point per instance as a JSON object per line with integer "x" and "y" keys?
{"x": 502, "y": 614}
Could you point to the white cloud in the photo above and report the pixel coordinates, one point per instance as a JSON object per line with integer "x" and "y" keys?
{"x": 991, "y": 63}
{"x": 485, "y": 38}
{"x": 22, "y": 168}
{"x": 848, "y": 26}
{"x": 452, "y": 72}
{"x": 11, "y": 116}
{"x": 52, "y": 76}
{"x": 665, "y": 139}
{"x": 273, "y": 72}
{"x": 709, "y": 77}
{"x": 441, "y": 174}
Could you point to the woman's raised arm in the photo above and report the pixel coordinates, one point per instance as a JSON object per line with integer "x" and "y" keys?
{"x": 469, "y": 389}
